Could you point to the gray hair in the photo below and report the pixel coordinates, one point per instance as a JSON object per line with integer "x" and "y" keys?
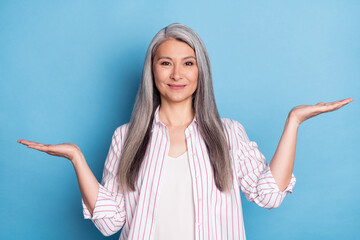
{"x": 206, "y": 113}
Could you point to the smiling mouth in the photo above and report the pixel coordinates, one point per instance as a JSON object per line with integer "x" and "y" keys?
{"x": 172, "y": 86}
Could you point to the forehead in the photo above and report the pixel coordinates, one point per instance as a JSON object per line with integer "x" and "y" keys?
{"x": 175, "y": 48}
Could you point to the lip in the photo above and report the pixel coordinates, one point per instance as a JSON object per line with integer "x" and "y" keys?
{"x": 176, "y": 87}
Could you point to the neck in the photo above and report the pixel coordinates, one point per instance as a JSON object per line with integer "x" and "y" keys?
{"x": 176, "y": 114}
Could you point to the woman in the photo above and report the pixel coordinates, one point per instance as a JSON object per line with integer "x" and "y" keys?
{"x": 175, "y": 171}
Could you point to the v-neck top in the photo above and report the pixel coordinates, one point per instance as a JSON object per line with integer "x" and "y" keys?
{"x": 175, "y": 217}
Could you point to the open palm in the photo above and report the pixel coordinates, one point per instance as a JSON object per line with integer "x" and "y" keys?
{"x": 304, "y": 112}
{"x": 66, "y": 150}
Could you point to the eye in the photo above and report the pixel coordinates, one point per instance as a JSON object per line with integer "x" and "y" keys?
{"x": 189, "y": 63}
{"x": 165, "y": 63}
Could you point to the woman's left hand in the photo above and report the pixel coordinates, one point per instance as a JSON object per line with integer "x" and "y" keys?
{"x": 304, "y": 112}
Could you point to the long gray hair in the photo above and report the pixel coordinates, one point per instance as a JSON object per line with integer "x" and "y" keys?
{"x": 206, "y": 113}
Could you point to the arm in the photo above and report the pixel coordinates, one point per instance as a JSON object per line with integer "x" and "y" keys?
{"x": 282, "y": 163}
{"x": 88, "y": 184}
{"x": 103, "y": 204}
{"x": 252, "y": 172}
{"x": 109, "y": 214}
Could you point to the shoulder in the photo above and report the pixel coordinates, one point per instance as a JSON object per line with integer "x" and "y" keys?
{"x": 234, "y": 128}
{"x": 230, "y": 124}
{"x": 122, "y": 128}
{"x": 120, "y": 132}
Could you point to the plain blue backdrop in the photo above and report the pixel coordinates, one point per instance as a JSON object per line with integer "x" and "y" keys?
{"x": 69, "y": 72}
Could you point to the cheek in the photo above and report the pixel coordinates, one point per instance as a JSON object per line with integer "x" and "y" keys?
{"x": 160, "y": 75}
{"x": 157, "y": 78}
{"x": 192, "y": 74}
{"x": 195, "y": 75}
{"x": 158, "y": 84}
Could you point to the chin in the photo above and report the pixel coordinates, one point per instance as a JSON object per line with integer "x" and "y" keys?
{"x": 178, "y": 99}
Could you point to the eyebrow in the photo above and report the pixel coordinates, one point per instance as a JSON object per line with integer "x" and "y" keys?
{"x": 171, "y": 58}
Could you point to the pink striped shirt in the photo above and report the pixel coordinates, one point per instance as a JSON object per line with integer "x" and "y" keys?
{"x": 218, "y": 215}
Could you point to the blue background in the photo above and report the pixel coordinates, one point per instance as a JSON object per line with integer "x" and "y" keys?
{"x": 69, "y": 72}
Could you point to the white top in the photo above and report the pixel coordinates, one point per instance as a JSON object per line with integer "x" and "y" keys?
{"x": 175, "y": 217}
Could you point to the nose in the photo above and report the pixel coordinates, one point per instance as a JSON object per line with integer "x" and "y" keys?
{"x": 176, "y": 73}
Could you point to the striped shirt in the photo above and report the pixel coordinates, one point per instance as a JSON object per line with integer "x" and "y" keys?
{"x": 218, "y": 215}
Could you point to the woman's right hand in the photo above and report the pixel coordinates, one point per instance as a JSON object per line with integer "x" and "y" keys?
{"x": 66, "y": 150}
{"x": 89, "y": 186}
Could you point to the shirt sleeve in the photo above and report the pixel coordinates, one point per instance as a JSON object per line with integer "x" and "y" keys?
{"x": 254, "y": 175}
{"x": 109, "y": 213}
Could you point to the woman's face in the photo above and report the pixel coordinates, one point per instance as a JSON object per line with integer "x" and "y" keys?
{"x": 175, "y": 71}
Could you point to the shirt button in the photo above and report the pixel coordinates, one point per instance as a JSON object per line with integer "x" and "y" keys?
{"x": 194, "y": 155}
{"x": 199, "y": 224}
{"x": 200, "y": 199}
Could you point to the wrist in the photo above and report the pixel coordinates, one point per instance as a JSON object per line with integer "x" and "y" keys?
{"x": 77, "y": 158}
{"x": 292, "y": 120}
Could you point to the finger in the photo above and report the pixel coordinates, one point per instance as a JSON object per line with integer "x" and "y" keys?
{"x": 37, "y": 147}
{"x": 22, "y": 141}
{"x": 26, "y": 142}
{"x": 49, "y": 150}
{"x": 344, "y": 101}
{"x": 36, "y": 144}
{"x": 348, "y": 99}
{"x": 332, "y": 106}
{"x": 341, "y": 103}
{"x": 43, "y": 148}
